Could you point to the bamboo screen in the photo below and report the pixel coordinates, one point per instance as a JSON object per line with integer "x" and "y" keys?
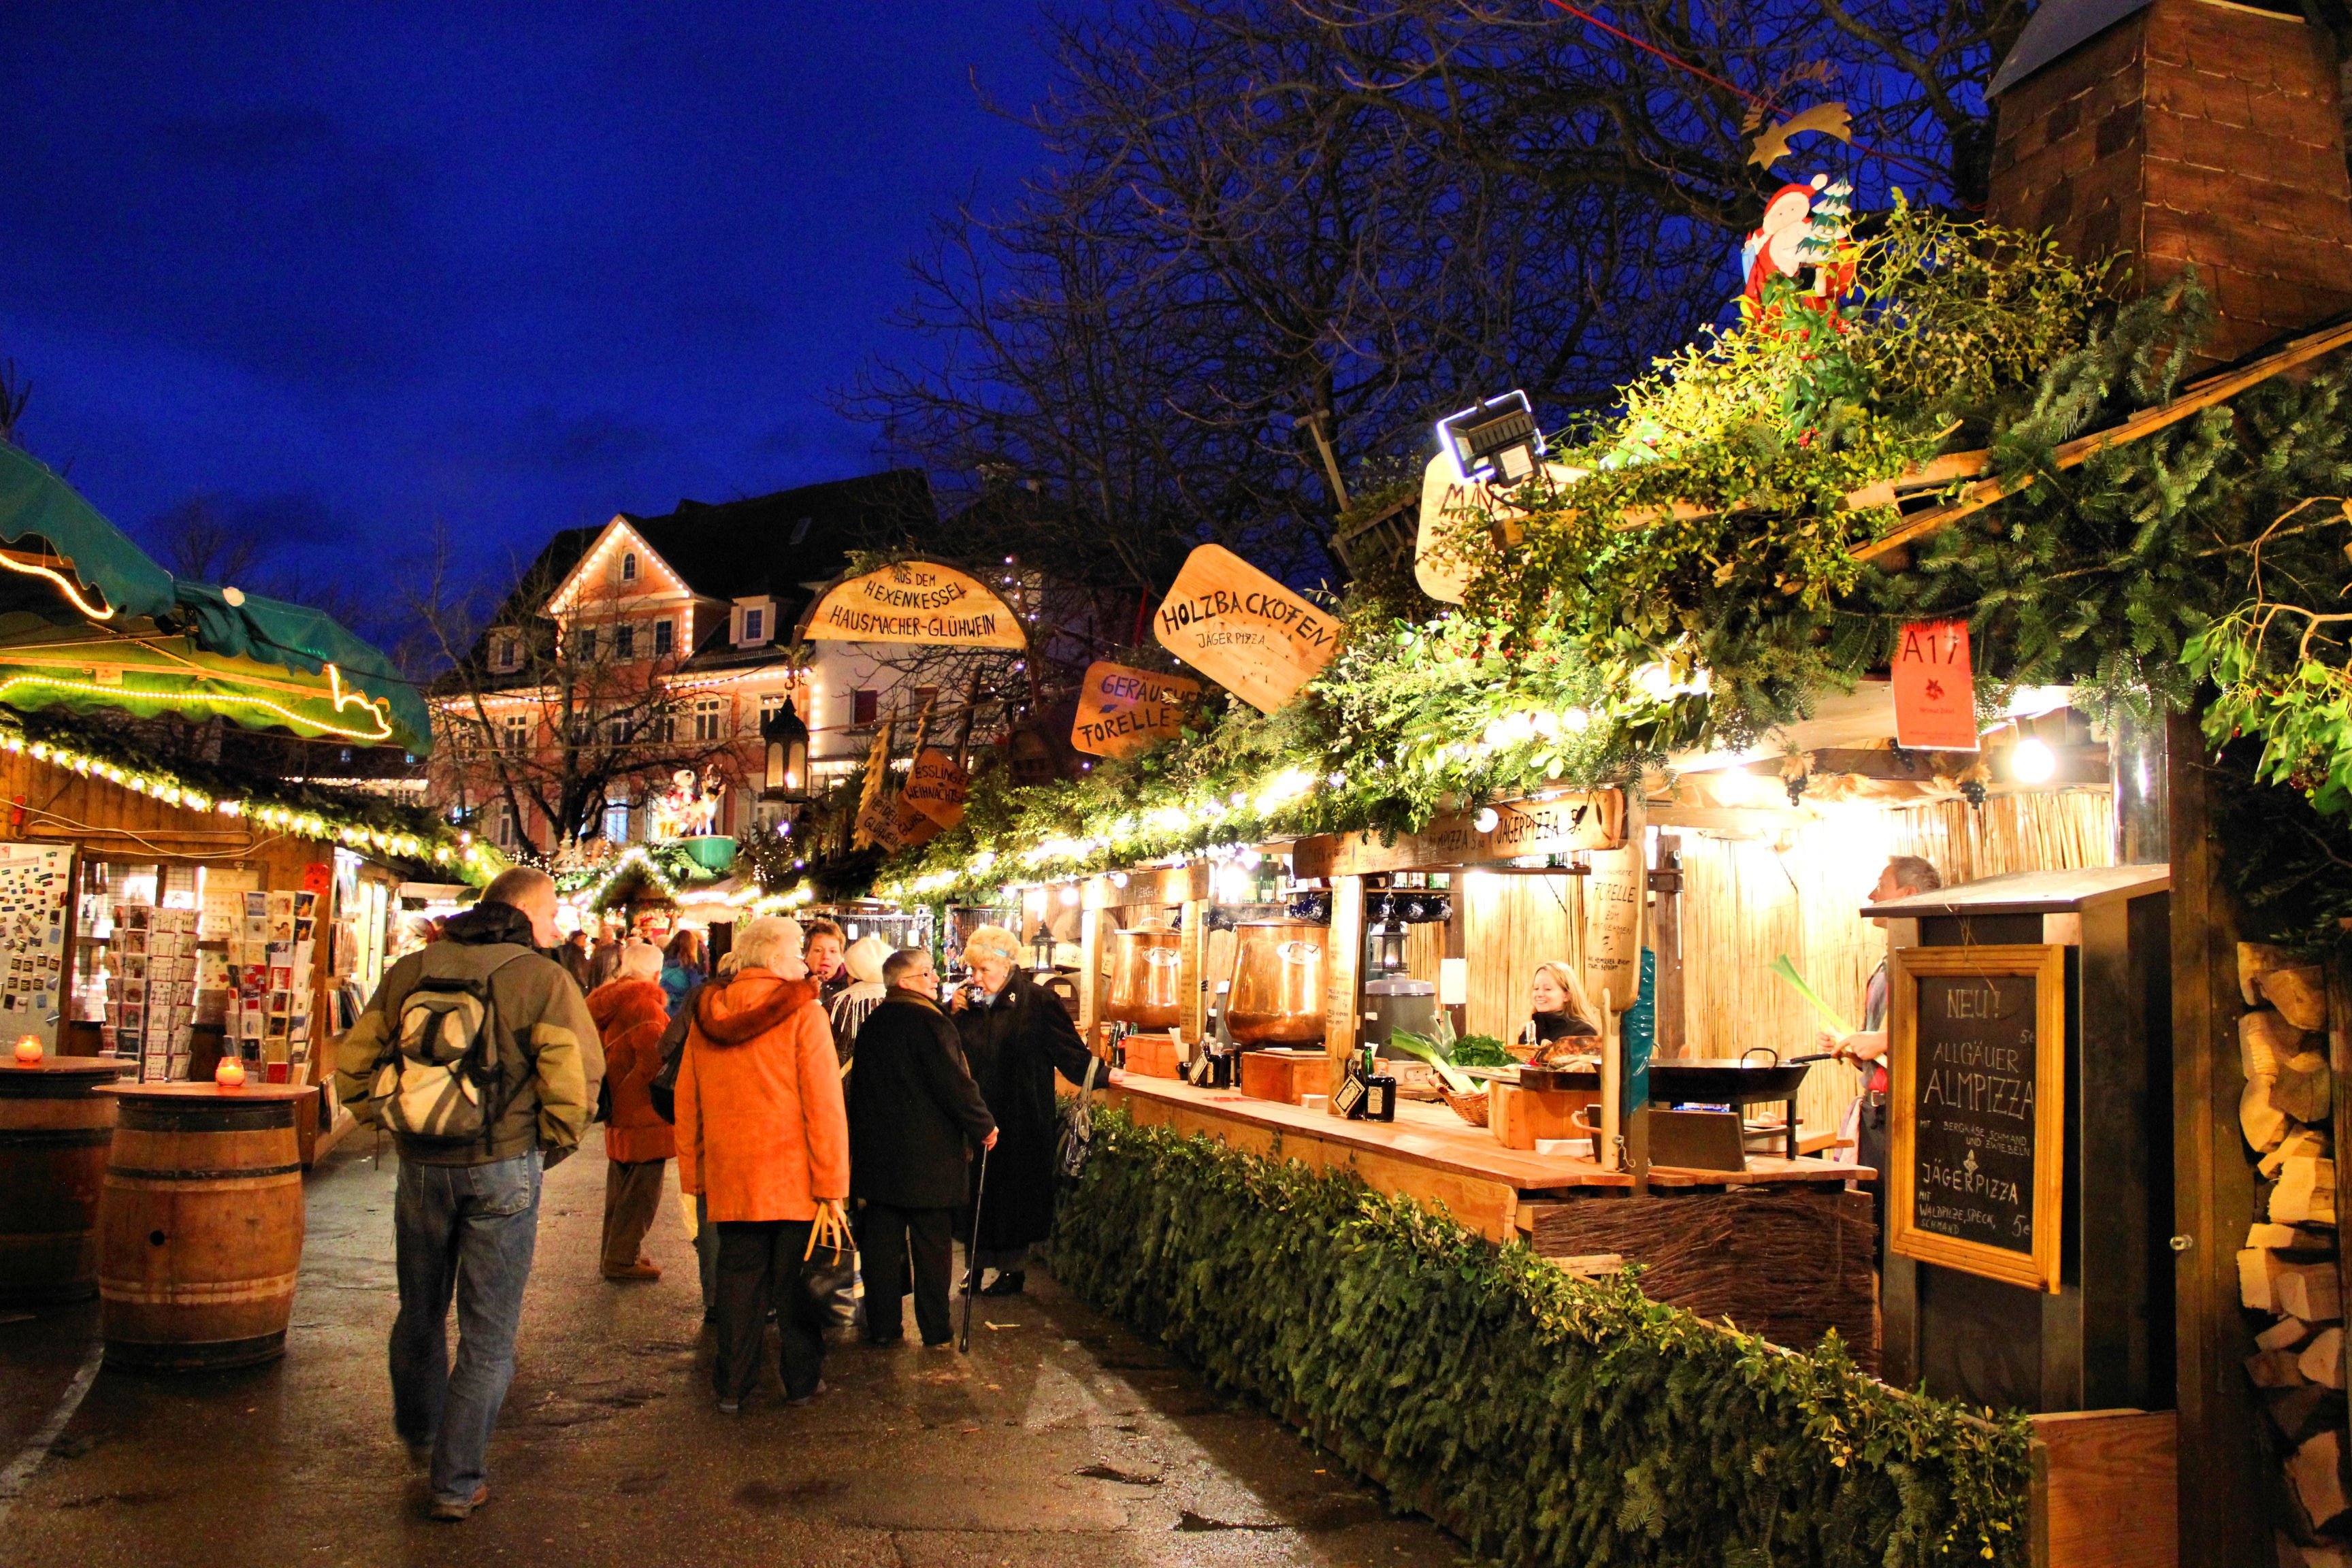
{"x": 1514, "y": 923}
{"x": 1745, "y": 901}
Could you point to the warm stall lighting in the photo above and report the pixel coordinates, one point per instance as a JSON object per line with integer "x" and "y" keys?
{"x": 29, "y": 1050}
{"x": 1453, "y": 983}
{"x": 1487, "y": 819}
{"x": 1070, "y": 898}
{"x": 230, "y": 1074}
{"x": 2032, "y": 761}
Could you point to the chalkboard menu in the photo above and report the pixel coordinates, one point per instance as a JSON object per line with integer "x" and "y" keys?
{"x": 1977, "y": 1046}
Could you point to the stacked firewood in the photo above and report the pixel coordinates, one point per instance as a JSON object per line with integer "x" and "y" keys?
{"x": 2288, "y": 1267}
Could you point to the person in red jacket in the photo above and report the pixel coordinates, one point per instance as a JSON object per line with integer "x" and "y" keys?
{"x": 762, "y": 1136}
{"x": 631, "y": 1011}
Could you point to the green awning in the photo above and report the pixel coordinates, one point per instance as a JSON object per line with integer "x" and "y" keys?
{"x": 259, "y": 662}
{"x": 35, "y": 501}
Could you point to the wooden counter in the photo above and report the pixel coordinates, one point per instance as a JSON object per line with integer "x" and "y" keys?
{"x": 1783, "y": 1248}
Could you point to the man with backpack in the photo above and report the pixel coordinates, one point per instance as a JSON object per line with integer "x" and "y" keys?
{"x": 477, "y": 1054}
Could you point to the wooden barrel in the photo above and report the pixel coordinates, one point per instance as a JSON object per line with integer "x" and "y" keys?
{"x": 200, "y": 1234}
{"x": 54, "y": 1130}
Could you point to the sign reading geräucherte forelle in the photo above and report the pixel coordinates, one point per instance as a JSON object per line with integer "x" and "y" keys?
{"x": 1123, "y": 711}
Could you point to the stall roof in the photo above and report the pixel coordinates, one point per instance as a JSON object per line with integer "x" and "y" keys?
{"x": 2031, "y": 893}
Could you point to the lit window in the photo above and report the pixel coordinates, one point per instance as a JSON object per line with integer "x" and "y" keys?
{"x": 665, "y": 729}
{"x": 628, "y": 566}
{"x": 754, "y": 626}
{"x": 616, "y": 821}
{"x": 518, "y": 733}
{"x": 662, "y": 635}
{"x": 864, "y": 706}
{"x": 506, "y": 834}
{"x": 624, "y": 641}
{"x": 584, "y": 644}
{"x": 617, "y": 730}
{"x": 706, "y": 718}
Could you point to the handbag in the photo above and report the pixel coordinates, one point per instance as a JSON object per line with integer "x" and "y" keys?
{"x": 829, "y": 1262}
{"x": 1078, "y": 1125}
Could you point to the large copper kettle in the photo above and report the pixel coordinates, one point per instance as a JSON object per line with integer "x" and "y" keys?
{"x": 1147, "y": 966}
{"x": 1278, "y": 990}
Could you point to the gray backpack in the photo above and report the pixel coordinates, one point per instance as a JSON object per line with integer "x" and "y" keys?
{"x": 441, "y": 1075}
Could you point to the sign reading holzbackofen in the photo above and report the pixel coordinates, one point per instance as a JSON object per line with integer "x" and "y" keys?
{"x": 914, "y": 600}
{"x": 1243, "y": 629}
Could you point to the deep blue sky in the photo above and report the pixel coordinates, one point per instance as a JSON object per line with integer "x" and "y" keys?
{"x": 356, "y": 269}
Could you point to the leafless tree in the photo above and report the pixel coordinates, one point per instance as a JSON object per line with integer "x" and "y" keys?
{"x": 548, "y": 725}
{"x": 14, "y": 392}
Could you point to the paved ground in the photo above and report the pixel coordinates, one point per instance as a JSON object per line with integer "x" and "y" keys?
{"x": 1061, "y": 1439}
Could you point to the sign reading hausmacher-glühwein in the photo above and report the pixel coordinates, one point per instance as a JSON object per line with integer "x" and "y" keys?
{"x": 1243, "y": 629}
{"x": 1123, "y": 710}
{"x": 917, "y": 601}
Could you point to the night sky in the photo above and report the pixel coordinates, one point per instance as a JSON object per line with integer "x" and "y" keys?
{"x": 353, "y": 269}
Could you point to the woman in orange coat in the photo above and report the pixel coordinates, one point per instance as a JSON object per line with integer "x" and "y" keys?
{"x": 631, "y": 1011}
{"x": 762, "y": 1138}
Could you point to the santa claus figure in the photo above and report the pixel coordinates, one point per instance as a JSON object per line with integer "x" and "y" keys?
{"x": 1802, "y": 229}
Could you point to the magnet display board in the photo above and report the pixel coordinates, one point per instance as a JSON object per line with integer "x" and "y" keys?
{"x": 1977, "y": 1042}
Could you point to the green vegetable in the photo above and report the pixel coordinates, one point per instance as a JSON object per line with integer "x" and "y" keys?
{"x": 1481, "y": 1051}
{"x": 1429, "y": 1051}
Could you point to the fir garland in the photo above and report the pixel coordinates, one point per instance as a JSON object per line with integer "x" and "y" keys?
{"x": 1546, "y": 1420}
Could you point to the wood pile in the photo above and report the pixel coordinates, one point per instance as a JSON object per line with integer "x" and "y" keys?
{"x": 2289, "y": 1268}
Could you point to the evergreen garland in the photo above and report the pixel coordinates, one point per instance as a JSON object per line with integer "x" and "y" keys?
{"x": 1546, "y": 1420}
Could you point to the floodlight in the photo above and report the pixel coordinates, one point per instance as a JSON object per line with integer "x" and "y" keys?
{"x": 1494, "y": 439}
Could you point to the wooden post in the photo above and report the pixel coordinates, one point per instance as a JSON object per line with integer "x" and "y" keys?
{"x": 1666, "y": 941}
{"x": 1192, "y": 978}
{"x": 1094, "y": 944}
{"x": 2222, "y": 1495}
{"x": 2340, "y": 1063}
{"x": 1343, "y": 960}
{"x": 1457, "y": 941}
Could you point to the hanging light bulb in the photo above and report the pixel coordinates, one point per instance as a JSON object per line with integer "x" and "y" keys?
{"x": 2031, "y": 762}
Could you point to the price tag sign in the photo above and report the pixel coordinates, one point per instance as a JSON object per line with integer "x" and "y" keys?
{"x": 1934, "y": 689}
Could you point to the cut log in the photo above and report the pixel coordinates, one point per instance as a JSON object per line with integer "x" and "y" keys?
{"x": 2256, "y": 959}
{"x": 2281, "y": 1238}
{"x": 2322, "y": 1360}
{"x": 2306, "y": 1291}
{"x": 2300, "y": 993}
{"x": 2303, "y": 1412}
{"x": 2276, "y": 1369}
{"x": 2299, "y": 1141}
{"x": 2316, "y": 1473}
{"x": 2305, "y": 1193}
{"x": 2305, "y": 1089}
{"x": 2327, "y": 1555}
{"x": 2254, "y": 1283}
{"x": 2265, "y": 1039}
{"x": 2286, "y": 1334}
{"x": 2264, "y": 1124}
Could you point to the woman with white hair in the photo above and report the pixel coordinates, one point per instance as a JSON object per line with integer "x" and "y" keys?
{"x": 762, "y": 1138}
{"x": 631, "y": 1011}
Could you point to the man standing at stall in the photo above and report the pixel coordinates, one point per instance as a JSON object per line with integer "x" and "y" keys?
{"x": 1904, "y": 877}
{"x": 1016, "y": 1036}
{"x": 486, "y": 1004}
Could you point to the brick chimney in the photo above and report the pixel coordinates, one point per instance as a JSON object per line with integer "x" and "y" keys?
{"x": 2183, "y": 132}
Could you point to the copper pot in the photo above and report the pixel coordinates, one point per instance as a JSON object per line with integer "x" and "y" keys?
{"x": 1146, "y": 969}
{"x": 1277, "y": 994}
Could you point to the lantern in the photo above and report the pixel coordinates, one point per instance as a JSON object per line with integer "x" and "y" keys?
{"x": 787, "y": 740}
{"x": 230, "y": 1074}
{"x": 29, "y": 1050}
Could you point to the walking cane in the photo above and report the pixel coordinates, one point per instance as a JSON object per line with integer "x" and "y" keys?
{"x": 971, "y": 1259}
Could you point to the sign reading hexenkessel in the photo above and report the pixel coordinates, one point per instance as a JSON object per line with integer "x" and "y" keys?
{"x": 915, "y": 602}
{"x": 1243, "y": 629}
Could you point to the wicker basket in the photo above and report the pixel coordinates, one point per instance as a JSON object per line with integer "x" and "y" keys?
{"x": 1471, "y": 1108}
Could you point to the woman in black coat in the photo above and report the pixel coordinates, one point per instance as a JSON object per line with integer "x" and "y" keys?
{"x": 915, "y": 1116}
{"x": 1017, "y": 1037}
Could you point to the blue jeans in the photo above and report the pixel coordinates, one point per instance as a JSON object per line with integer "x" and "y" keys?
{"x": 467, "y": 1231}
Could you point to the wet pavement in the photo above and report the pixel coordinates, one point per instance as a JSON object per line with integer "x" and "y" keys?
{"x": 1061, "y": 1439}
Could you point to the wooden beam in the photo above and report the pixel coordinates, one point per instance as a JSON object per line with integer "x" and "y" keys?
{"x": 2194, "y": 398}
{"x": 1343, "y": 954}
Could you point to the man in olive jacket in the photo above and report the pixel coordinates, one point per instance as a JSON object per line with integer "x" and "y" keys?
{"x": 466, "y": 1213}
{"x": 912, "y": 1121}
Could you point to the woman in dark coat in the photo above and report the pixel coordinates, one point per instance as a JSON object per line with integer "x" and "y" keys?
{"x": 912, "y": 1122}
{"x": 1017, "y": 1037}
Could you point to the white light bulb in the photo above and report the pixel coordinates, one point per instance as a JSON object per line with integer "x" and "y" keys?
{"x": 2031, "y": 762}
{"x": 1487, "y": 819}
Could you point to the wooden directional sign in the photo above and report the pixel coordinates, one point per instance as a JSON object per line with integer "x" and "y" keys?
{"x": 1123, "y": 711}
{"x": 914, "y": 602}
{"x": 936, "y": 787}
{"x": 1563, "y": 823}
{"x": 1243, "y": 629}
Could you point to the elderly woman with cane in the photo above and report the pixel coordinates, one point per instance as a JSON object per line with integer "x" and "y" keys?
{"x": 1016, "y": 1036}
{"x": 761, "y": 1135}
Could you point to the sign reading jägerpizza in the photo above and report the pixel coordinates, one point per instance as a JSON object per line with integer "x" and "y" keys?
{"x": 916, "y": 602}
{"x": 1123, "y": 711}
{"x": 1243, "y": 629}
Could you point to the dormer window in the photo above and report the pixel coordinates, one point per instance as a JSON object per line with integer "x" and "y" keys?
{"x": 754, "y": 621}
{"x": 628, "y": 566}
{"x": 506, "y": 651}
